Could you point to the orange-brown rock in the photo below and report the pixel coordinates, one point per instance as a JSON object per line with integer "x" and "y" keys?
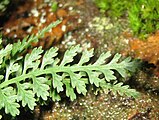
{"x": 147, "y": 50}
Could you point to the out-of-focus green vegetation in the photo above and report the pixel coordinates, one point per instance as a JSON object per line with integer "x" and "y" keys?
{"x": 3, "y": 5}
{"x": 113, "y": 8}
{"x": 54, "y": 6}
{"x": 143, "y": 15}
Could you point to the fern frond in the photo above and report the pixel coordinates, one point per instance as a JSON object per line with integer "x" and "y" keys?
{"x": 42, "y": 75}
{"x": 119, "y": 88}
{"x": 32, "y": 81}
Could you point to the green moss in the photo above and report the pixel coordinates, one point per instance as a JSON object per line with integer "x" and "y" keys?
{"x": 113, "y": 8}
{"x": 143, "y": 15}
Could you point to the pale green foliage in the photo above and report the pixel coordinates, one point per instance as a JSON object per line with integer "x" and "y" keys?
{"x": 30, "y": 82}
{"x": 19, "y": 47}
{"x": 42, "y": 75}
{"x": 5, "y": 52}
{"x": 119, "y": 88}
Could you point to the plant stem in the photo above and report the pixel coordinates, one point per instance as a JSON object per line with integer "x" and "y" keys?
{"x": 56, "y": 69}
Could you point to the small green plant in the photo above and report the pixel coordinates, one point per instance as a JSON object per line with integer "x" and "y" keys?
{"x": 54, "y": 6}
{"x": 41, "y": 75}
{"x": 144, "y": 16}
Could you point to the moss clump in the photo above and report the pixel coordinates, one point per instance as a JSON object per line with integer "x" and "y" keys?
{"x": 143, "y": 15}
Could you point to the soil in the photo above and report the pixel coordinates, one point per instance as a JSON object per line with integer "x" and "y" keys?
{"x": 82, "y": 23}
